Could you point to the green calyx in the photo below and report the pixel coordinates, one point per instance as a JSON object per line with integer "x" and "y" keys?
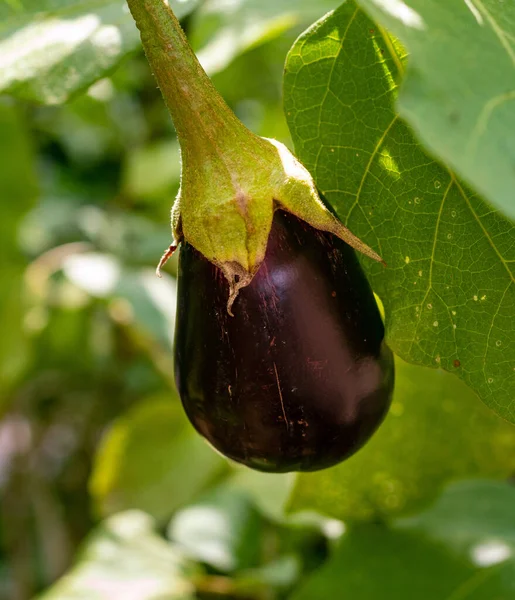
{"x": 232, "y": 181}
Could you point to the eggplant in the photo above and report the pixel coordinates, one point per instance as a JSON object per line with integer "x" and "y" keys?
{"x": 300, "y": 377}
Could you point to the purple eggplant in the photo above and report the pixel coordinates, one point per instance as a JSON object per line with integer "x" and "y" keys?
{"x": 300, "y": 377}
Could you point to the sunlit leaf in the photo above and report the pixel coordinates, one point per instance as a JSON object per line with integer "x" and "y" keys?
{"x": 223, "y": 529}
{"x": 50, "y": 50}
{"x": 459, "y": 89}
{"x": 152, "y": 302}
{"x": 125, "y": 558}
{"x": 448, "y": 290}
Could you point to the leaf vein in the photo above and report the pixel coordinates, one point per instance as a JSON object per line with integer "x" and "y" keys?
{"x": 501, "y": 35}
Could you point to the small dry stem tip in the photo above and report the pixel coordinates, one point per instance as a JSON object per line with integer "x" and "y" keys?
{"x": 164, "y": 259}
{"x": 234, "y": 290}
{"x": 238, "y": 278}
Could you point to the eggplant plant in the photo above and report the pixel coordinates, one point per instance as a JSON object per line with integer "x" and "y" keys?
{"x": 401, "y": 113}
{"x": 279, "y": 354}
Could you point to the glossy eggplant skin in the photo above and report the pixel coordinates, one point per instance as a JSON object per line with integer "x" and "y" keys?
{"x": 300, "y": 377}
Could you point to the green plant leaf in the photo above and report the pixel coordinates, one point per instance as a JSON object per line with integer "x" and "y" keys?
{"x": 148, "y": 303}
{"x": 269, "y": 491}
{"x": 125, "y": 558}
{"x": 459, "y": 90}
{"x": 51, "y": 50}
{"x": 448, "y": 291}
{"x": 375, "y": 562}
{"x": 488, "y": 517}
{"x": 437, "y": 431}
{"x": 462, "y": 548}
{"x": 223, "y": 529}
{"x": 145, "y": 461}
{"x": 153, "y": 302}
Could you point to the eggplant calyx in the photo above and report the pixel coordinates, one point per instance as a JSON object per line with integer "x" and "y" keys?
{"x": 232, "y": 180}
{"x": 299, "y": 196}
{"x": 229, "y": 221}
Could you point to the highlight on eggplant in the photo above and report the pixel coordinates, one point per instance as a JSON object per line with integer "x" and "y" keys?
{"x": 300, "y": 377}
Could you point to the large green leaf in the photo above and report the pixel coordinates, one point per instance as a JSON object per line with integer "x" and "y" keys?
{"x": 125, "y": 558}
{"x": 459, "y": 91}
{"x": 461, "y": 549}
{"x": 449, "y": 290}
{"x": 152, "y": 459}
{"x": 375, "y": 562}
{"x": 437, "y": 430}
{"x": 51, "y": 49}
{"x": 489, "y": 516}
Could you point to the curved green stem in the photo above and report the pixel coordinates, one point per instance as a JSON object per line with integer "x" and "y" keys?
{"x": 200, "y": 115}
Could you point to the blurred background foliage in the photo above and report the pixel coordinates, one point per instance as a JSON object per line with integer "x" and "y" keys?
{"x": 106, "y": 490}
